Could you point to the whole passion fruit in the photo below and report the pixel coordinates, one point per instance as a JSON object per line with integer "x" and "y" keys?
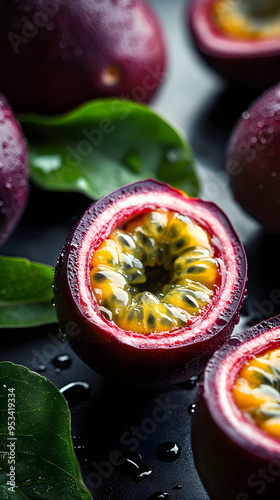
{"x": 57, "y": 54}
{"x": 236, "y": 423}
{"x": 253, "y": 159}
{"x": 238, "y": 39}
{"x": 149, "y": 284}
{"x": 14, "y": 171}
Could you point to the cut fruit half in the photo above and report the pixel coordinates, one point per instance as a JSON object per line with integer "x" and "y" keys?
{"x": 238, "y": 39}
{"x": 149, "y": 284}
{"x": 235, "y": 426}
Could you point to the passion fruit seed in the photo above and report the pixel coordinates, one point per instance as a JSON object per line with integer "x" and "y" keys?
{"x": 257, "y": 391}
{"x": 248, "y": 18}
{"x": 155, "y": 273}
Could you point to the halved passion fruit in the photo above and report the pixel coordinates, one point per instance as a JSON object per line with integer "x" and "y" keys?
{"x": 150, "y": 284}
{"x": 236, "y": 423}
{"x": 238, "y": 39}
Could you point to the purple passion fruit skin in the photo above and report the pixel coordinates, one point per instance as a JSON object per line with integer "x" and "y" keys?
{"x": 242, "y": 45}
{"x": 14, "y": 171}
{"x": 234, "y": 457}
{"x": 253, "y": 160}
{"x": 131, "y": 357}
{"x": 62, "y": 53}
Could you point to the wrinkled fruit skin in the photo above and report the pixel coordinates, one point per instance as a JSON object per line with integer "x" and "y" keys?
{"x": 253, "y": 160}
{"x": 131, "y": 357}
{"x": 56, "y": 55}
{"x": 235, "y": 459}
{"x": 254, "y": 63}
{"x": 14, "y": 171}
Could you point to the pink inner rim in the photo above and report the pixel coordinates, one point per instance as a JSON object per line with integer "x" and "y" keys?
{"x": 229, "y": 413}
{"x": 129, "y": 207}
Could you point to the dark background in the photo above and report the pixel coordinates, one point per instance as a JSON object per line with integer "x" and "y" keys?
{"x": 107, "y": 417}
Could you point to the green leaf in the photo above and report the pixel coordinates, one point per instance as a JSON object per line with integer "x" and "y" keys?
{"x": 35, "y": 439}
{"x": 25, "y": 293}
{"x": 105, "y": 144}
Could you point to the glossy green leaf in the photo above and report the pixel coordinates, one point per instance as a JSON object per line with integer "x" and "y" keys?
{"x": 37, "y": 459}
{"x": 105, "y": 144}
{"x": 25, "y": 293}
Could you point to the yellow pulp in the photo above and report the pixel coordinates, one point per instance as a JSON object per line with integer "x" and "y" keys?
{"x": 155, "y": 273}
{"x": 257, "y": 391}
{"x": 248, "y": 18}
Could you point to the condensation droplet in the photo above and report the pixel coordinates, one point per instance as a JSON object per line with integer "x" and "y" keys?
{"x": 246, "y": 115}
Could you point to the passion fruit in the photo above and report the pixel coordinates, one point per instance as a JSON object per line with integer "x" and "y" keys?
{"x": 149, "y": 284}
{"x": 253, "y": 159}
{"x": 236, "y": 423}
{"x": 57, "y": 54}
{"x": 240, "y": 40}
{"x": 14, "y": 171}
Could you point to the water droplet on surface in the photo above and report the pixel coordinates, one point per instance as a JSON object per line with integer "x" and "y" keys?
{"x": 245, "y": 115}
{"x": 191, "y": 383}
{"x": 273, "y": 174}
{"x": 168, "y": 452}
{"x": 191, "y": 408}
{"x": 159, "y": 495}
{"x": 40, "y": 368}
{"x": 133, "y": 466}
{"x": 62, "y": 361}
{"x": 76, "y": 393}
{"x": 177, "y": 487}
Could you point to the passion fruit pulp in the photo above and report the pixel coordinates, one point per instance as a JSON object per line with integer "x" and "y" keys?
{"x": 235, "y": 426}
{"x": 14, "y": 171}
{"x": 149, "y": 284}
{"x": 240, "y": 40}
{"x": 56, "y": 55}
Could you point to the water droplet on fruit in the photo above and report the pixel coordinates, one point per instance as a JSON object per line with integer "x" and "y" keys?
{"x": 260, "y": 186}
{"x": 254, "y": 140}
{"x": 62, "y": 361}
{"x": 260, "y": 124}
{"x": 168, "y": 452}
{"x": 159, "y": 495}
{"x": 76, "y": 393}
{"x": 78, "y": 51}
{"x": 62, "y": 44}
{"x": 191, "y": 408}
{"x": 273, "y": 174}
{"x": 246, "y": 115}
{"x": 50, "y": 26}
{"x": 133, "y": 466}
